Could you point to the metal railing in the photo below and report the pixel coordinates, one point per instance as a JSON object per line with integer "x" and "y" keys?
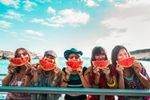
{"x": 91, "y": 91}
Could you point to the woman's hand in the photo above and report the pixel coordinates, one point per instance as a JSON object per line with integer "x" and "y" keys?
{"x": 11, "y": 68}
{"x": 57, "y": 71}
{"x": 137, "y": 67}
{"x": 79, "y": 71}
{"x": 106, "y": 71}
{"x": 120, "y": 69}
{"x": 96, "y": 71}
{"x": 28, "y": 67}
{"x": 68, "y": 70}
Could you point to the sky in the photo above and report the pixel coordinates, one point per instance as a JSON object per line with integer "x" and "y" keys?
{"x": 58, "y": 25}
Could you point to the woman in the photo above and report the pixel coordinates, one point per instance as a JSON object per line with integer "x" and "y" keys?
{"x": 41, "y": 77}
{"x": 16, "y": 75}
{"x": 73, "y": 78}
{"x": 99, "y": 77}
{"x": 134, "y": 77}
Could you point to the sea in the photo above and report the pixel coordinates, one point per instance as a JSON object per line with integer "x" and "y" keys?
{"x": 61, "y": 63}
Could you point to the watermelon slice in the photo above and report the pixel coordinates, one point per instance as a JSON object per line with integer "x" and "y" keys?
{"x": 19, "y": 61}
{"x": 101, "y": 63}
{"x": 46, "y": 65}
{"x": 126, "y": 62}
{"x": 74, "y": 64}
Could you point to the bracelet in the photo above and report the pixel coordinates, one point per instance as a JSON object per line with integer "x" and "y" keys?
{"x": 111, "y": 84}
{"x": 121, "y": 77}
{"x": 66, "y": 80}
{"x": 95, "y": 83}
{"x": 28, "y": 74}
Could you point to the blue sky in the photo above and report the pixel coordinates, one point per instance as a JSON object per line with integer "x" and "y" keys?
{"x": 40, "y": 25}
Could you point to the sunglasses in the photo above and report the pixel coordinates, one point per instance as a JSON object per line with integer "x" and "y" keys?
{"x": 76, "y": 57}
{"x": 19, "y": 55}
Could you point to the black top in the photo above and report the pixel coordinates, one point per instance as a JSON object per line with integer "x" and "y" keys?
{"x": 75, "y": 82}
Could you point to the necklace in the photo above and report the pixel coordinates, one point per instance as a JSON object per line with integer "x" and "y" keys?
{"x": 129, "y": 77}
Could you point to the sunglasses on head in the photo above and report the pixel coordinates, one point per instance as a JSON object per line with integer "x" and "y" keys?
{"x": 19, "y": 55}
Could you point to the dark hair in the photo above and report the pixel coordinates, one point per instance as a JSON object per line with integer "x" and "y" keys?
{"x": 97, "y": 51}
{"x": 16, "y": 55}
{"x": 115, "y": 52}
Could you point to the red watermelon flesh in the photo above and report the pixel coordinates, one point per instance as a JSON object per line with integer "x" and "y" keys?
{"x": 19, "y": 61}
{"x": 101, "y": 63}
{"x": 127, "y": 62}
{"x": 74, "y": 64}
{"x": 46, "y": 66}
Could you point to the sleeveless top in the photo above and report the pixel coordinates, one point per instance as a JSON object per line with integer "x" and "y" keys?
{"x": 17, "y": 96}
{"x": 74, "y": 82}
{"x": 102, "y": 84}
{"x": 46, "y": 82}
{"x": 134, "y": 83}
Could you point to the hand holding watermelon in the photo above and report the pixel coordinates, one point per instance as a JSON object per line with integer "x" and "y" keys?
{"x": 11, "y": 68}
{"x": 57, "y": 71}
{"x": 28, "y": 68}
{"x": 106, "y": 71}
{"x": 96, "y": 70}
{"x": 137, "y": 67}
{"x": 68, "y": 70}
{"x": 119, "y": 69}
{"x": 79, "y": 71}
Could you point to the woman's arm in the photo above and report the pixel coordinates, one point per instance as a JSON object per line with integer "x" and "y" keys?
{"x": 110, "y": 77}
{"x": 121, "y": 84}
{"x": 7, "y": 79}
{"x": 57, "y": 78}
{"x": 138, "y": 68}
{"x": 86, "y": 77}
{"x": 64, "y": 79}
{"x": 144, "y": 80}
{"x": 84, "y": 82}
{"x": 27, "y": 80}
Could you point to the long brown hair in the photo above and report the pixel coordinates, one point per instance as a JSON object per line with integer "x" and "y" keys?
{"x": 97, "y": 51}
{"x": 115, "y": 51}
{"x": 16, "y": 55}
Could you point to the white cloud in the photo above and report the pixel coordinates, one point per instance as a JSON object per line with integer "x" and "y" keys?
{"x": 91, "y": 3}
{"x": 111, "y": 1}
{"x": 4, "y": 24}
{"x": 45, "y": 22}
{"x": 51, "y": 10}
{"x": 12, "y": 15}
{"x": 67, "y": 16}
{"x": 70, "y": 16}
{"x": 43, "y": 1}
{"x": 28, "y": 5}
{"x": 132, "y": 3}
{"x": 128, "y": 25}
{"x": 22, "y": 40}
{"x": 13, "y": 3}
{"x": 34, "y": 33}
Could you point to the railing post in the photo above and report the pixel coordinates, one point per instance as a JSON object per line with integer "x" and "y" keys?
{"x": 102, "y": 97}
